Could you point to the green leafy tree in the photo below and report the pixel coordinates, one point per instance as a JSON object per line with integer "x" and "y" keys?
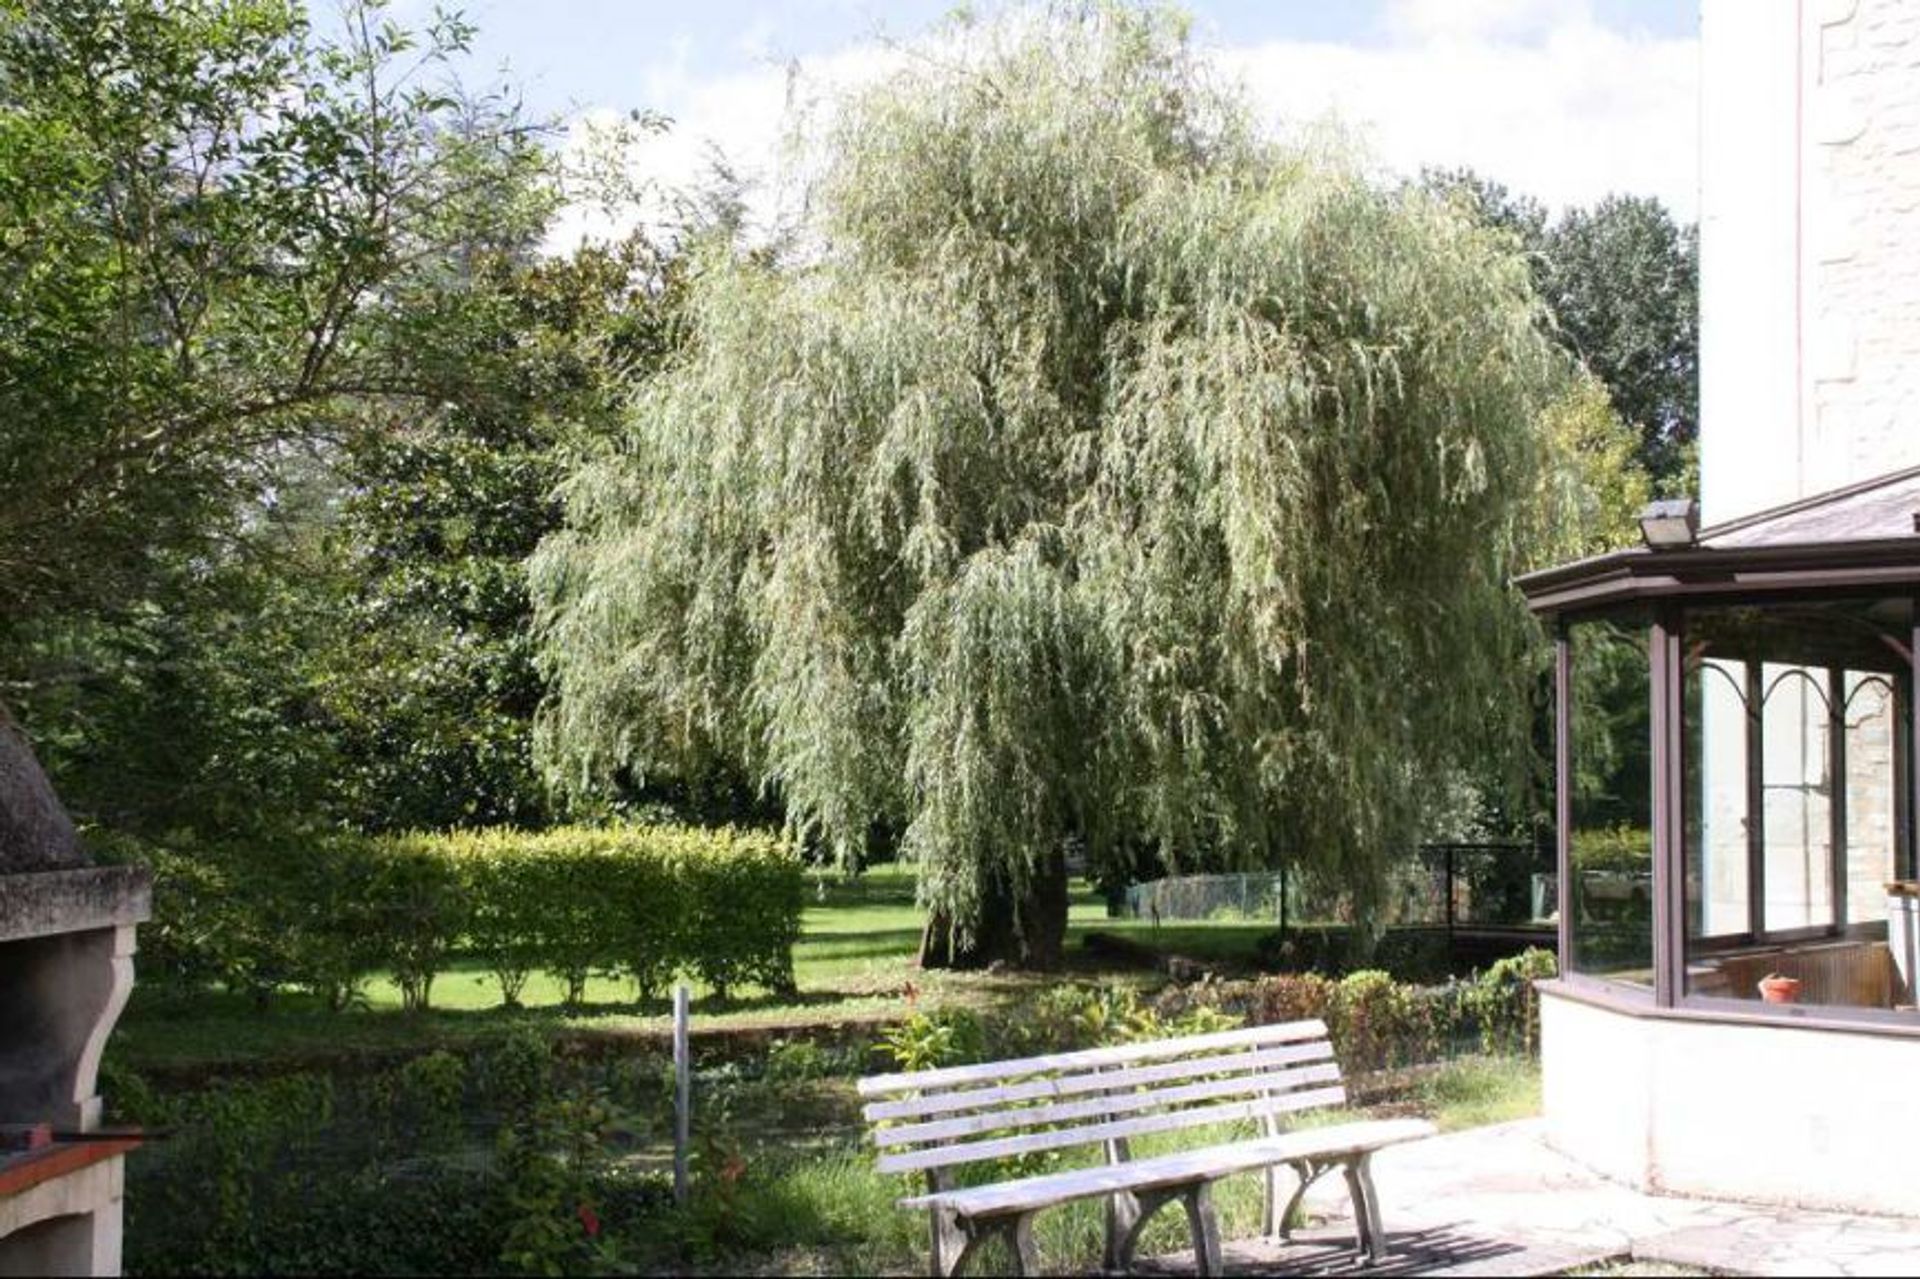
{"x": 214, "y": 218}
{"x": 432, "y": 685}
{"x": 1621, "y": 282}
{"x": 1102, "y": 475}
{"x": 279, "y": 372}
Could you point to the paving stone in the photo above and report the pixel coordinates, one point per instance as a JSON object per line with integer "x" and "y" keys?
{"x": 1498, "y": 1201}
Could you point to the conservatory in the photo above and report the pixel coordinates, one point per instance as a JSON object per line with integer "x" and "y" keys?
{"x": 1736, "y": 1011}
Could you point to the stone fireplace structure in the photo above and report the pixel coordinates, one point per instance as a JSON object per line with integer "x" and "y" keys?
{"x": 66, "y": 969}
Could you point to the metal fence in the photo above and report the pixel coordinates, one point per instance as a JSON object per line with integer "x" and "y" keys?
{"x": 1459, "y": 887}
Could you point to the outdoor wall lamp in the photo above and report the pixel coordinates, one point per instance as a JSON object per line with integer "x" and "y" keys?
{"x": 1669, "y": 523}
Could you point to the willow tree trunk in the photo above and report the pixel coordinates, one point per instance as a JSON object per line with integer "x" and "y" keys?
{"x": 1028, "y": 932}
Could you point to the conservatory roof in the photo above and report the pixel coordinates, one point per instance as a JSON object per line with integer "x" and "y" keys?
{"x": 1865, "y": 536}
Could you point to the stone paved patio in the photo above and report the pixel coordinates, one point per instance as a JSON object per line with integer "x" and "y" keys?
{"x": 1497, "y": 1201}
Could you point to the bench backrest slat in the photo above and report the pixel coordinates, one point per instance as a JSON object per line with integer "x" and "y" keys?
{"x": 1279, "y": 1082}
{"x": 1169, "y": 1121}
{"x": 1089, "y": 1059}
{"x": 1252, "y": 1060}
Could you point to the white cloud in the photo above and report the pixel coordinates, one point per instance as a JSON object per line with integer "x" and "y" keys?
{"x": 744, "y": 119}
{"x": 1568, "y": 115}
{"x": 1483, "y": 18}
{"x": 1532, "y": 93}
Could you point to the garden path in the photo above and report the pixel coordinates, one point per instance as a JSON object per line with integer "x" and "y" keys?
{"x": 1498, "y": 1201}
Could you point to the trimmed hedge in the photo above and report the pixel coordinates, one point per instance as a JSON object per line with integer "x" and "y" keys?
{"x": 648, "y": 902}
{"x": 644, "y": 901}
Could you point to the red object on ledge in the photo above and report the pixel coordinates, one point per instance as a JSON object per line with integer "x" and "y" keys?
{"x": 22, "y": 1172}
{"x": 1778, "y": 989}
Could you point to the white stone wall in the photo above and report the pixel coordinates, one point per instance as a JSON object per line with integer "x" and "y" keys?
{"x": 1760, "y": 1113}
{"x": 1810, "y": 247}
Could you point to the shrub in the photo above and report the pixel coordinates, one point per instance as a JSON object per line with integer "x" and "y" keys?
{"x": 418, "y": 911}
{"x": 1617, "y": 848}
{"x": 928, "y": 1041}
{"x": 1290, "y": 997}
{"x": 256, "y": 916}
{"x": 509, "y": 904}
{"x": 1505, "y": 1005}
{"x": 1370, "y": 1017}
{"x": 322, "y": 912}
{"x": 442, "y": 1165}
{"x": 647, "y": 901}
{"x": 744, "y": 895}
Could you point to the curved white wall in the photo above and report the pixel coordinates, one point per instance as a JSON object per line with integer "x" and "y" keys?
{"x": 1822, "y": 1119}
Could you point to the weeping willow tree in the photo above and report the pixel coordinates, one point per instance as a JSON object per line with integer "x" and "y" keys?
{"x": 1106, "y": 475}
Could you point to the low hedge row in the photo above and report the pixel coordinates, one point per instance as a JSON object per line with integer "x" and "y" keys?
{"x": 648, "y": 902}
{"x": 1379, "y": 1023}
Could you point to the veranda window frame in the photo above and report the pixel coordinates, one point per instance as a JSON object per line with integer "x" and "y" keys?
{"x": 1667, "y": 689}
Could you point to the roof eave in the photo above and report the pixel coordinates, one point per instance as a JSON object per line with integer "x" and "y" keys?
{"x": 1624, "y": 576}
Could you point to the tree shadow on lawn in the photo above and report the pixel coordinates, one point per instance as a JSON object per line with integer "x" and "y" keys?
{"x": 898, "y": 943}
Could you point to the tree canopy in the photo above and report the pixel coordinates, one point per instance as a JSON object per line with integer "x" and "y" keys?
{"x": 283, "y": 375}
{"x": 1621, "y": 284}
{"x": 1105, "y": 475}
{"x": 222, "y": 230}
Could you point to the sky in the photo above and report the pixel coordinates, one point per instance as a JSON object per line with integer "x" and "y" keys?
{"x": 1563, "y": 100}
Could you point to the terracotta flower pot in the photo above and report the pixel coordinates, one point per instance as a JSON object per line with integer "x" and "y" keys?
{"x": 1776, "y": 989}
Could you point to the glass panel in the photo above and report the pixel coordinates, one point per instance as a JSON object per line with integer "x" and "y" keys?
{"x": 1715, "y": 761}
{"x": 1872, "y": 787}
{"x": 1611, "y": 836}
{"x": 1796, "y": 782}
{"x": 1804, "y": 793}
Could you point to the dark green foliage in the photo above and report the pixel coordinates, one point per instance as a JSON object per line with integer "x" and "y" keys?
{"x": 1621, "y": 281}
{"x": 324, "y": 912}
{"x": 223, "y": 207}
{"x": 434, "y": 1167}
{"x": 431, "y": 682}
{"x": 283, "y": 391}
{"x": 260, "y": 916}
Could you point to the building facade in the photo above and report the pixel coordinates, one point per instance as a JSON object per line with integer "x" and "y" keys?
{"x": 1809, "y": 247}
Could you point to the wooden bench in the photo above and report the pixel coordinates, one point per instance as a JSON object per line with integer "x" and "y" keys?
{"x": 938, "y": 1120}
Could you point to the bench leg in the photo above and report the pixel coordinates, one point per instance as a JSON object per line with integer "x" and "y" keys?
{"x": 1123, "y": 1211}
{"x": 1026, "y": 1258}
{"x": 1280, "y": 1220}
{"x": 1205, "y": 1228}
{"x": 1370, "y": 1238}
{"x": 967, "y": 1237}
{"x": 950, "y": 1242}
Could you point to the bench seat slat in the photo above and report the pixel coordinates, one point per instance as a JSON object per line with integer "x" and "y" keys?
{"x": 1001, "y": 1147}
{"x": 1279, "y": 1083}
{"x": 1175, "y": 1169}
{"x": 940, "y": 1103}
{"x": 1090, "y": 1059}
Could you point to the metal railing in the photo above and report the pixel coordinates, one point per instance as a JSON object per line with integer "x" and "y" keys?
{"x": 1458, "y": 887}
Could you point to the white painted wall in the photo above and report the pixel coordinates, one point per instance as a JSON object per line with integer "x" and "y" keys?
{"x": 1760, "y": 1113}
{"x": 1749, "y": 422}
{"x": 1810, "y": 247}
